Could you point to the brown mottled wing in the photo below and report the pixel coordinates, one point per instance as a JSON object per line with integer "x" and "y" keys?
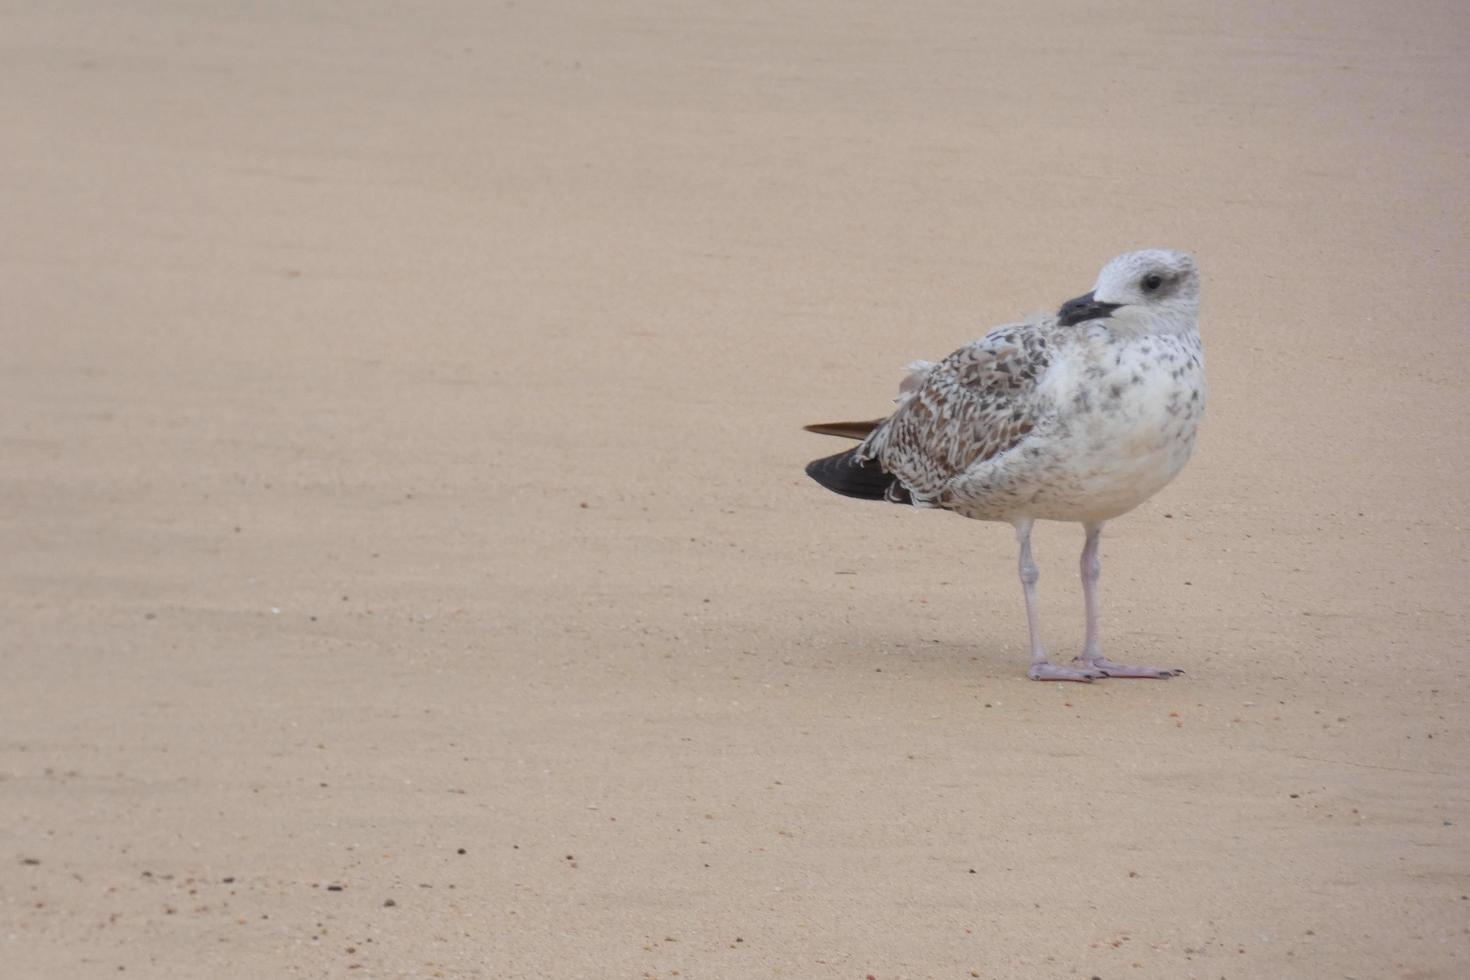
{"x": 973, "y": 405}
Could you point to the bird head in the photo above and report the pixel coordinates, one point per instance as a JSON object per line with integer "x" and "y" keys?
{"x": 1152, "y": 291}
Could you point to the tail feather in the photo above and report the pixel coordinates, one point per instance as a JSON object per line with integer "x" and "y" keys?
{"x": 846, "y": 430}
{"x": 865, "y": 479}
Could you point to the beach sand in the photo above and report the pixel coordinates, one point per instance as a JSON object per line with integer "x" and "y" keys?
{"x": 408, "y": 569}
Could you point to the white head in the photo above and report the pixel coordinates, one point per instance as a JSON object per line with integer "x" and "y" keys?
{"x": 1152, "y": 291}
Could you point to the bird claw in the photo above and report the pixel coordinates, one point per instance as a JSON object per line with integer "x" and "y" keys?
{"x": 1110, "y": 669}
{"x": 1046, "y": 671}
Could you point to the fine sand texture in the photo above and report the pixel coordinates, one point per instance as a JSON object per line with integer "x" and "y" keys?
{"x": 406, "y": 565}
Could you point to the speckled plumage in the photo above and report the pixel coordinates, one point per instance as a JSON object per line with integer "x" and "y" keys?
{"x": 1078, "y": 416}
{"x": 1047, "y": 422}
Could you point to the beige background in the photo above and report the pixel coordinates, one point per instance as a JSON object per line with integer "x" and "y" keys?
{"x": 400, "y": 454}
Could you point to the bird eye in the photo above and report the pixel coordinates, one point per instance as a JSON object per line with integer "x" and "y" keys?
{"x": 1152, "y": 281}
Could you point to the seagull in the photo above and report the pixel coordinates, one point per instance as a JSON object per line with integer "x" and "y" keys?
{"x": 1080, "y": 415}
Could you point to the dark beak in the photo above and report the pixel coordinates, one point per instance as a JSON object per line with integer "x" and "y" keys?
{"x": 1082, "y": 309}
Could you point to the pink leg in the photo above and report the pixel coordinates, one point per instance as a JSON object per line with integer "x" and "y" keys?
{"x": 1041, "y": 668}
{"x": 1092, "y": 658}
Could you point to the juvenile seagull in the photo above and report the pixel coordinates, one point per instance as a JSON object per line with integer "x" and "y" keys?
{"x": 1077, "y": 416}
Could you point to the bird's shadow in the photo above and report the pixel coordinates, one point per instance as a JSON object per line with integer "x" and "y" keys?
{"x": 944, "y": 659}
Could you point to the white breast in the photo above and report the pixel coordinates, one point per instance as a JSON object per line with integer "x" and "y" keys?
{"x": 1120, "y": 423}
{"x": 1128, "y": 424}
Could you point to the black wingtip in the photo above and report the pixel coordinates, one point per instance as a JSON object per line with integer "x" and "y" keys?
{"x": 865, "y": 480}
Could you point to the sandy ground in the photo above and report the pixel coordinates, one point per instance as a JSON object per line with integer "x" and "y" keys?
{"x": 407, "y": 565}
